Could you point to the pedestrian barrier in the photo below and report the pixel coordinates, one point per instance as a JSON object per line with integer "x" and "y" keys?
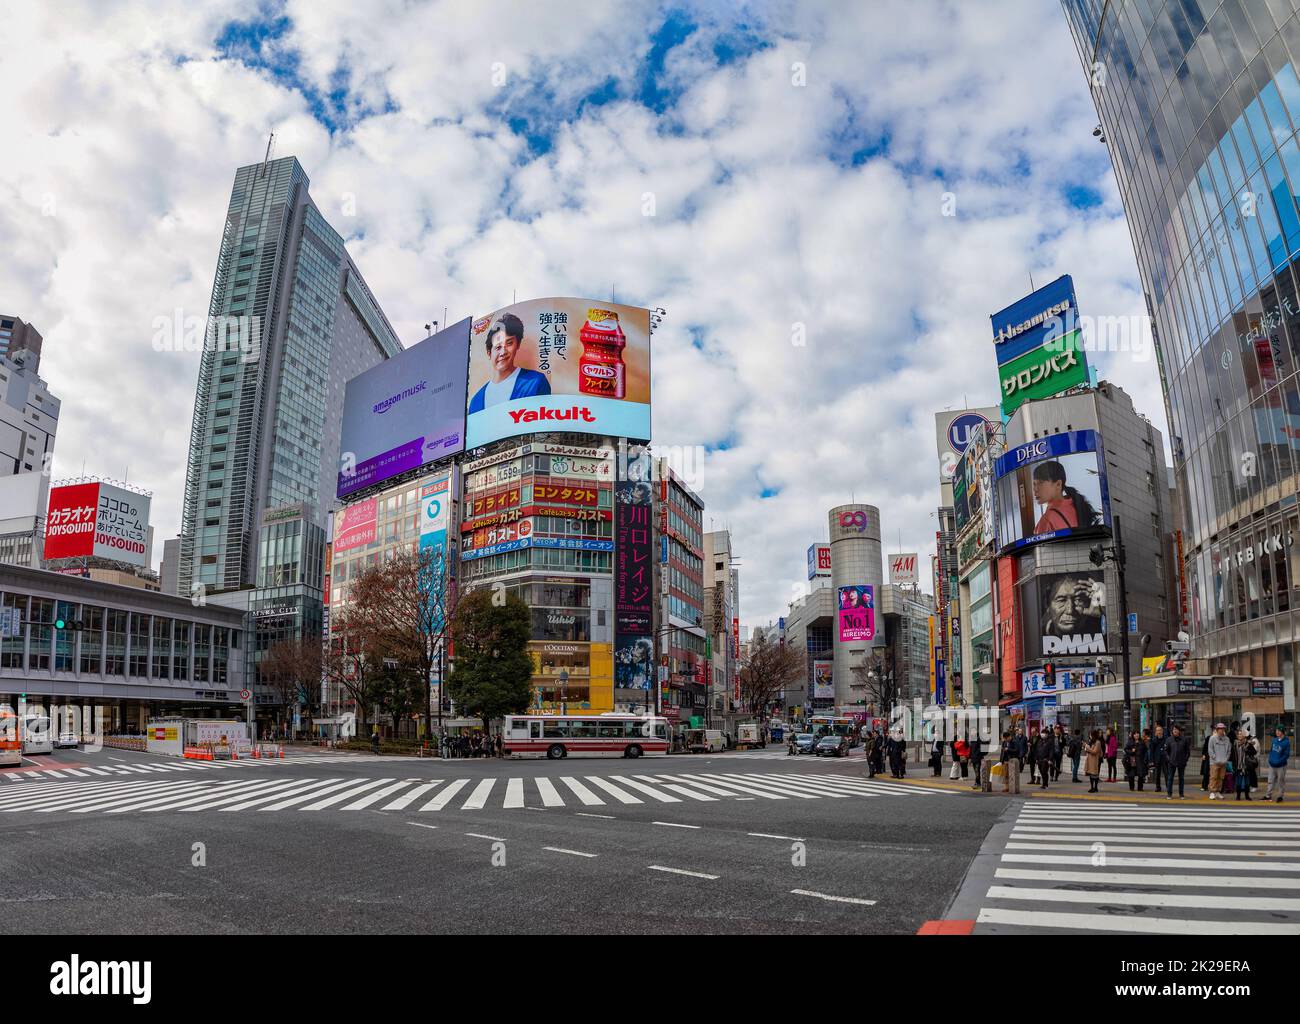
{"x": 199, "y": 753}
{"x": 268, "y": 751}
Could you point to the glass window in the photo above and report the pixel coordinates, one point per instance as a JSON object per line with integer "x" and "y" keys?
{"x": 115, "y": 642}
{"x": 162, "y": 647}
{"x": 139, "y": 645}
{"x": 42, "y": 634}
{"x": 92, "y": 639}
{"x": 11, "y": 648}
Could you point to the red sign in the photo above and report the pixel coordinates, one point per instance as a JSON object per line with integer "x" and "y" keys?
{"x": 356, "y": 528}
{"x": 70, "y": 521}
{"x": 823, "y": 557}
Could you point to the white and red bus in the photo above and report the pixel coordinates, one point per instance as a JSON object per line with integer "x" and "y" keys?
{"x": 585, "y": 735}
{"x": 11, "y": 745}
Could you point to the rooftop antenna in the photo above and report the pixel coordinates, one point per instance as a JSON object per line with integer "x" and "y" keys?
{"x": 1031, "y": 282}
{"x": 270, "y": 147}
{"x": 444, "y": 314}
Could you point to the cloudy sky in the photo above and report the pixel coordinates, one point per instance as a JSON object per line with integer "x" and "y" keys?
{"x": 768, "y": 173}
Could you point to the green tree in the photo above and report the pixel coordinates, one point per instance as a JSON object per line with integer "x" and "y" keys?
{"x": 398, "y": 690}
{"x": 492, "y": 669}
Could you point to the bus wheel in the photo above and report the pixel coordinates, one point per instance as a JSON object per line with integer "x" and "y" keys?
{"x": 633, "y": 751}
{"x": 554, "y": 752}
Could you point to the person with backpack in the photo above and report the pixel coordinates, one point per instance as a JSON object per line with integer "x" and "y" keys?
{"x": 1095, "y": 750}
{"x": 1074, "y": 749}
{"x": 1278, "y": 756}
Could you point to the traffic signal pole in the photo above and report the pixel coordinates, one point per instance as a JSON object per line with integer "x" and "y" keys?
{"x": 1123, "y": 630}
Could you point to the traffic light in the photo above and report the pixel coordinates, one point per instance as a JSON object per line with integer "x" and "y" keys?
{"x": 73, "y": 624}
{"x": 1049, "y": 676}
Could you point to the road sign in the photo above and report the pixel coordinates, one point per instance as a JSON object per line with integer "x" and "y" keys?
{"x": 1132, "y": 622}
{"x": 245, "y": 694}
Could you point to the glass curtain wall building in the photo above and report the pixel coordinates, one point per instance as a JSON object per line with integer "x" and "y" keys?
{"x": 290, "y": 321}
{"x": 1199, "y": 103}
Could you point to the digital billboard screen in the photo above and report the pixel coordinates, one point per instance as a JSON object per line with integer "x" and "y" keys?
{"x": 406, "y": 412}
{"x": 1052, "y": 488}
{"x": 633, "y": 573}
{"x": 857, "y": 614}
{"x": 559, "y": 364}
{"x": 1072, "y": 613}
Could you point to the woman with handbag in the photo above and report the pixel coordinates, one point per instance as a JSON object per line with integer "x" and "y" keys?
{"x": 1094, "y": 752}
{"x": 1243, "y": 752}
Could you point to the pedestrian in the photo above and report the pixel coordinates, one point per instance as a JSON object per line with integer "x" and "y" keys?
{"x": 1075, "y": 750}
{"x": 1278, "y": 756}
{"x": 961, "y": 756}
{"x": 896, "y": 748}
{"x": 1244, "y": 755}
{"x": 1031, "y": 745}
{"x": 1219, "y": 749}
{"x": 1058, "y": 747}
{"x": 1112, "y": 752}
{"x": 1011, "y": 756}
{"x": 1094, "y": 752}
{"x": 1043, "y": 754}
{"x": 1156, "y": 755}
{"x": 374, "y": 741}
{"x": 1178, "y": 751}
{"x": 936, "y": 757}
{"x": 1205, "y": 762}
{"x": 1135, "y": 762}
{"x": 975, "y": 751}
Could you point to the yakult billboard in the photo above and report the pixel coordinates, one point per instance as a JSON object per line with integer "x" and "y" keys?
{"x": 97, "y": 520}
{"x": 559, "y": 364}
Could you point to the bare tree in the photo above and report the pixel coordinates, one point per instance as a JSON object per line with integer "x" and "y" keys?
{"x": 767, "y": 670}
{"x": 292, "y": 669}
{"x": 348, "y": 666}
{"x": 880, "y": 681}
{"x": 401, "y": 608}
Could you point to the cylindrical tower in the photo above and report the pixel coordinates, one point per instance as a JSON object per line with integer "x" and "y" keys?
{"x": 857, "y": 573}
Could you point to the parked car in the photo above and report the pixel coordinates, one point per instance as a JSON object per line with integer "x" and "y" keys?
{"x": 68, "y": 739}
{"x": 832, "y": 746}
{"x": 804, "y": 742}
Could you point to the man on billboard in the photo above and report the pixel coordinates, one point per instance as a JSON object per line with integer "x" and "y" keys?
{"x": 1065, "y": 508}
{"x": 1072, "y": 608}
{"x": 508, "y": 381}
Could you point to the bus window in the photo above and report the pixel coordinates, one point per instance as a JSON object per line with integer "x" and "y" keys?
{"x": 661, "y": 730}
{"x": 611, "y": 730}
{"x": 555, "y": 729}
{"x": 535, "y": 730}
{"x": 582, "y": 730}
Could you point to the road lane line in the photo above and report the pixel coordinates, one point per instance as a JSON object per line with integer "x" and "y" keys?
{"x": 680, "y": 871}
{"x": 673, "y": 824}
{"x": 477, "y": 835}
{"x": 420, "y": 824}
{"x": 833, "y": 899}
{"x": 571, "y": 853}
{"x": 588, "y": 814}
{"x": 769, "y": 835}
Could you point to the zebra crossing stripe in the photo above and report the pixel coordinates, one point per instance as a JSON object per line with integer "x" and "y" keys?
{"x": 1148, "y": 862}
{"x": 663, "y": 798}
{"x": 1130, "y": 879}
{"x": 1121, "y": 846}
{"x": 803, "y": 787}
{"x": 51, "y": 771}
{"x": 698, "y": 785}
{"x": 751, "y": 780}
{"x": 293, "y": 801}
{"x": 1172, "y": 840}
{"x": 588, "y": 798}
{"x": 444, "y": 798}
{"x": 311, "y": 788}
{"x": 409, "y": 798}
{"x": 550, "y": 795}
{"x": 514, "y": 793}
{"x": 685, "y": 791}
{"x": 370, "y": 798}
{"x": 1152, "y": 831}
{"x": 1107, "y": 923}
{"x": 479, "y": 796}
{"x": 39, "y": 801}
{"x": 96, "y": 771}
{"x": 614, "y": 791}
{"x": 719, "y": 780}
{"x": 356, "y": 790}
{"x": 1094, "y": 896}
{"x": 140, "y": 795}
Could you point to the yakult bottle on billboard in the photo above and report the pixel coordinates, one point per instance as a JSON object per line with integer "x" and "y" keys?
{"x": 600, "y": 369}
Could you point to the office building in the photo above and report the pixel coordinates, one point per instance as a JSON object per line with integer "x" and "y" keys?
{"x": 16, "y": 335}
{"x": 721, "y": 619}
{"x": 680, "y": 515}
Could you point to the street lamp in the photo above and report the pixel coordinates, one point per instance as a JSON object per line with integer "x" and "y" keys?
{"x": 1098, "y": 556}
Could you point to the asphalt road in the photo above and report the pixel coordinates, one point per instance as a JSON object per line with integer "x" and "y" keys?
{"x": 729, "y": 843}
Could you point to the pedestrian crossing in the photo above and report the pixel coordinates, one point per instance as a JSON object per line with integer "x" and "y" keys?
{"x": 174, "y": 765}
{"x": 1147, "y": 869}
{"x": 117, "y": 796}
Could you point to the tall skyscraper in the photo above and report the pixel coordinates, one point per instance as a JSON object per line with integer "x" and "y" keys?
{"x": 1199, "y": 103}
{"x": 290, "y": 321}
{"x": 19, "y": 336}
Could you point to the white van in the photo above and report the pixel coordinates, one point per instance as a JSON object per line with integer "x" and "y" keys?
{"x": 705, "y": 741}
{"x": 37, "y": 736}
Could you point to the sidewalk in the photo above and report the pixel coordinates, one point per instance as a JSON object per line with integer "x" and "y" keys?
{"x": 1063, "y": 789}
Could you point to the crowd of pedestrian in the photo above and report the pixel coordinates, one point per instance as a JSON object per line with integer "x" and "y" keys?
{"x": 881, "y": 748}
{"x": 1230, "y": 760}
{"x": 474, "y": 745}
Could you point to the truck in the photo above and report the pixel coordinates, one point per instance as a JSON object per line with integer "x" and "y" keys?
{"x": 748, "y": 735}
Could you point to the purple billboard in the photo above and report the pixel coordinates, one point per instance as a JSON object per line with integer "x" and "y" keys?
{"x": 857, "y": 614}
{"x": 406, "y": 412}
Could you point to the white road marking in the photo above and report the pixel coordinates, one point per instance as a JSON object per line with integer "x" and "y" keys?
{"x": 370, "y": 798}
{"x": 478, "y": 798}
{"x": 614, "y": 791}
{"x": 514, "y": 793}
{"x": 1107, "y": 923}
{"x": 769, "y": 835}
{"x": 833, "y": 899}
{"x": 572, "y": 853}
{"x": 1095, "y": 896}
{"x": 650, "y": 791}
{"x": 303, "y": 799}
{"x": 588, "y": 798}
{"x": 588, "y": 814}
{"x": 1126, "y": 878}
{"x": 673, "y": 824}
{"x": 320, "y": 805}
{"x": 444, "y": 798}
{"x": 680, "y": 871}
{"x": 311, "y": 789}
{"x": 1148, "y": 862}
{"x": 420, "y": 824}
{"x": 476, "y": 835}
{"x": 550, "y": 795}
{"x": 411, "y": 797}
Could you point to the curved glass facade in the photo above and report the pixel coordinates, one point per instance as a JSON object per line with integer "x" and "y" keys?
{"x": 1199, "y": 101}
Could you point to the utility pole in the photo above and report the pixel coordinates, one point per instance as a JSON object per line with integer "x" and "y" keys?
{"x": 1098, "y": 555}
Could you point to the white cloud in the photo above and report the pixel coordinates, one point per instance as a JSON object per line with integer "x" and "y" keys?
{"x": 775, "y": 205}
